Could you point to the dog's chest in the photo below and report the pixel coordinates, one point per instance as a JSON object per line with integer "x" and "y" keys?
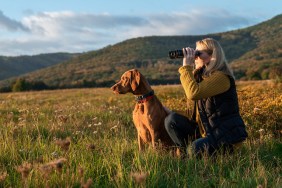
{"x": 139, "y": 109}
{"x": 142, "y": 112}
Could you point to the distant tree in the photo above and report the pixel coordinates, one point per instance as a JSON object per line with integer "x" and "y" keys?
{"x": 5, "y": 89}
{"x": 265, "y": 74}
{"x": 20, "y": 85}
{"x": 239, "y": 74}
{"x": 254, "y": 75}
{"x": 23, "y": 85}
{"x": 38, "y": 85}
{"x": 87, "y": 83}
{"x": 276, "y": 74}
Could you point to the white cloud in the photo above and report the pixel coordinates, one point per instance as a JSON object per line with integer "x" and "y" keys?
{"x": 73, "y": 32}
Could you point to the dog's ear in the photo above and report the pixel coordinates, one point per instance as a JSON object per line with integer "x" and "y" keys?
{"x": 135, "y": 79}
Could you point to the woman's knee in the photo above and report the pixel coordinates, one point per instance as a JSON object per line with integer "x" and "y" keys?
{"x": 169, "y": 121}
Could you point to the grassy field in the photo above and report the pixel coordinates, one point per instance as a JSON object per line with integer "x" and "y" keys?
{"x": 86, "y": 138}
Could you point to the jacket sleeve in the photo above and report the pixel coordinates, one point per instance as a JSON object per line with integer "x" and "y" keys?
{"x": 213, "y": 85}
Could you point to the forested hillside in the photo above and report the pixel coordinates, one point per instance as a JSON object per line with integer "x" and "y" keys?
{"x": 15, "y": 66}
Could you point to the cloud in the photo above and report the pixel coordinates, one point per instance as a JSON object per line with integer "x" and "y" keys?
{"x": 53, "y": 23}
{"x": 76, "y": 32}
{"x": 191, "y": 23}
{"x": 11, "y": 25}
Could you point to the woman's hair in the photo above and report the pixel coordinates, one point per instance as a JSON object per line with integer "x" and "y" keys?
{"x": 218, "y": 61}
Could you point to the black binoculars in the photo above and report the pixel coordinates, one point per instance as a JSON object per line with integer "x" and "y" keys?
{"x": 179, "y": 54}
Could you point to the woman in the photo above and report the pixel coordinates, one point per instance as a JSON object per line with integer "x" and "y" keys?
{"x": 211, "y": 87}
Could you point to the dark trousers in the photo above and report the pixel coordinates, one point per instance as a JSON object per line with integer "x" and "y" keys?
{"x": 182, "y": 131}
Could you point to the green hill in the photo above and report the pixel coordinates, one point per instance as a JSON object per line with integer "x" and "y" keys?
{"x": 265, "y": 60}
{"x": 15, "y": 66}
{"x": 254, "y": 53}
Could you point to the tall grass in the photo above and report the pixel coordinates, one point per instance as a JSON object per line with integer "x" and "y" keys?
{"x": 86, "y": 138}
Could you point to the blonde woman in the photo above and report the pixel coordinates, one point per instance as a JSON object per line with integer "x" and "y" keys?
{"x": 215, "y": 121}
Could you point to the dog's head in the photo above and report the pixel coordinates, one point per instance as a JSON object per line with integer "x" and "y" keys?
{"x": 129, "y": 82}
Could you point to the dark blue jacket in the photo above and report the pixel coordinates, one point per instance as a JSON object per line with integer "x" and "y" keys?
{"x": 220, "y": 117}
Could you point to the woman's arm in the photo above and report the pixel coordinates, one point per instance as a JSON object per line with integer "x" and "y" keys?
{"x": 213, "y": 85}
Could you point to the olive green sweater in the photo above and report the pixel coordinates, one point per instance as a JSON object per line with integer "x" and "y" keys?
{"x": 213, "y": 85}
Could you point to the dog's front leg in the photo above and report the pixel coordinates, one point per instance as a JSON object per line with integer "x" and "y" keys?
{"x": 153, "y": 137}
{"x": 141, "y": 143}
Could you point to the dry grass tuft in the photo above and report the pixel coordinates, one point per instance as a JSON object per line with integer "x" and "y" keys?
{"x": 87, "y": 184}
{"x": 80, "y": 172}
{"x": 139, "y": 177}
{"x": 91, "y": 147}
{"x": 64, "y": 144}
{"x": 24, "y": 169}
{"x": 3, "y": 176}
{"x": 52, "y": 166}
{"x": 58, "y": 164}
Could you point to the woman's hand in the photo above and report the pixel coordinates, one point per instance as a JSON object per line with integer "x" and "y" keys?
{"x": 189, "y": 56}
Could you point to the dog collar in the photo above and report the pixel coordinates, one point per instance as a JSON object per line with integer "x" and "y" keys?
{"x": 146, "y": 97}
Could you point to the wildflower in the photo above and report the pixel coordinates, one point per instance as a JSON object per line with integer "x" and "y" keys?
{"x": 58, "y": 111}
{"x": 256, "y": 110}
{"x": 139, "y": 177}
{"x": 114, "y": 127}
{"x": 54, "y": 154}
{"x": 21, "y": 150}
{"x": 261, "y": 131}
{"x": 96, "y": 124}
{"x": 24, "y": 169}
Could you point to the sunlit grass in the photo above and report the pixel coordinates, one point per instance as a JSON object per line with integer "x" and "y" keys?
{"x": 85, "y": 137}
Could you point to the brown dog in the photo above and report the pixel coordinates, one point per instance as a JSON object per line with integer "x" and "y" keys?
{"x": 149, "y": 113}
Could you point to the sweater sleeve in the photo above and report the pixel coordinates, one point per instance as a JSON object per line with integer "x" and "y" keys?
{"x": 213, "y": 85}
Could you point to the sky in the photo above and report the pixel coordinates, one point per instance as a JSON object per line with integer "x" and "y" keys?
{"x": 31, "y": 27}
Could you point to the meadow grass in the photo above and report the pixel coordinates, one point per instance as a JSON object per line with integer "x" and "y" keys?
{"x": 86, "y": 138}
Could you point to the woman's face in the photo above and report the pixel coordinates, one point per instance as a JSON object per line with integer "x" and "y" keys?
{"x": 203, "y": 59}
